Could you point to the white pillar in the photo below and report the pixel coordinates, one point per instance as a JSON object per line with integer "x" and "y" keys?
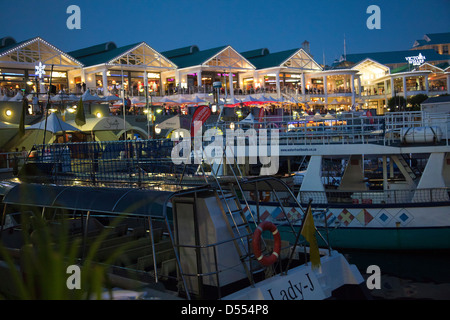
{"x": 352, "y": 86}
{"x": 105, "y": 82}
{"x": 230, "y": 76}
{"x": 303, "y": 84}
{"x": 404, "y": 86}
{"x": 448, "y": 83}
{"x": 277, "y": 79}
{"x": 199, "y": 78}
{"x": 145, "y": 81}
{"x": 426, "y": 83}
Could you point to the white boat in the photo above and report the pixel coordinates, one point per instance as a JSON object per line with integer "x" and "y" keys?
{"x": 182, "y": 243}
{"x": 379, "y": 183}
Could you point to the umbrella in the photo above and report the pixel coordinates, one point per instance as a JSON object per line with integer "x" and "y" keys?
{"x": 111, "y": 98}
{"x": 166, "y": 100}
{"x": 61, "y": 97}
{"x": 80, "y": 118}
{"x": 232, "y": 101}
{"x": 197, "y": 100}
{"x": 182, "y": 100}
{"x": 73, "y": 98}
{"x": 266, "y": 99}
{"x": 18, "y": 97}
{"x": 250, "y": 99}
{"x": 88, "y": 97}
{"x": 54, "y": 124}
{"x": 317, "y": 116}
{"x": 249, "y": 119}
{"x": 328, "y": 116}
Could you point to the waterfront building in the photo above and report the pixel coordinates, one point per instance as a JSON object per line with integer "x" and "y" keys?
{"x": 199, "y": 69}
{"x": 439, "y": 42}
{"x": 18, "y": 62}
{"x": 107, "y": 69}
{"x": 398, "y": 73}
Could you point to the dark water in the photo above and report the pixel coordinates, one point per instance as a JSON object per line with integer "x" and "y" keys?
{"x": 406, "y": 275}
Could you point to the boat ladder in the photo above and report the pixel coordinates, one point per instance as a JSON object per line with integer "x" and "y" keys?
{"x": 235, "y": 217}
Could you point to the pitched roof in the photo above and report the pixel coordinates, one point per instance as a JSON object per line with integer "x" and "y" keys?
{"x": 181, "y": 51}
{"x": 255, "y": 53}
{"x": 8, "y": 44}
{"x": 194, "y": 58}
{"x": 437, "y": 38}
{"x": 391, "y": 57}
{"x": 272, "y": 59}
{"x": 92, "y": 56}
{"x": 7, "y": 41}
{"x": 96, "y": 49}
{"x": 438, "y": 99}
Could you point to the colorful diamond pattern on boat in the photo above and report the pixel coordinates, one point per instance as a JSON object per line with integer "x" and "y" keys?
{"x": 330, "y": 218}
{"x": 364, "y": 217}
{"x": 384, "y": 217}
{"x": 404, "y": 217}
{"x": 265, "y": 215}
{"x": 345, "y": 217}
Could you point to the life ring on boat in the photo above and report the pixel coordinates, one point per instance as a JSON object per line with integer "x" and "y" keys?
{"x": 264, "y": 196}
{"x": 256, "y": 243}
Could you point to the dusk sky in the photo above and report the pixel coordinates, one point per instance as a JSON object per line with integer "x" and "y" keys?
{"x": 243, "y": 24}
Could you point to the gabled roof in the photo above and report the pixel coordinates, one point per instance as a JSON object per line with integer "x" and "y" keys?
{"x": 181, "y": 51}
{"x": 34, "y": 52}
{"x": 255, "y": 53}
{"x": 294, "y": 58}
{"x": 275, "y": 59}
{"x": 437, "y": 38}
{"x": 438, "y": 99}
{"x": 7, "y": 41}
{"x": 109, "y": 53}
{"x": 92, "y": 56}
{"x": 391, "y": 57}
{"x": 96, "y": 49}
{"x": 193, "y": 58}
{"x": 224, "y": 56}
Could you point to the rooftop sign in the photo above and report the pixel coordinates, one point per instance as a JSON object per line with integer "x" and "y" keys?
{"x": 416, "y": 60}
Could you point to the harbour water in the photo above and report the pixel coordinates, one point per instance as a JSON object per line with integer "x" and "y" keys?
{"x": 406, "y": 275}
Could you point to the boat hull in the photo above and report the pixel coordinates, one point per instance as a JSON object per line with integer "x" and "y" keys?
{"x": 418, "y": 227}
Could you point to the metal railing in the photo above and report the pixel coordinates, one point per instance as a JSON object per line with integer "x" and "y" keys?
{"x": 405, "y": 196}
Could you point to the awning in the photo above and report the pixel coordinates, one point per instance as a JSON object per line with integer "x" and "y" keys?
{"x": 129, "y": 201}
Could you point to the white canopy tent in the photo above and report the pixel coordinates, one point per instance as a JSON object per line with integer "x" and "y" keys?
{"x": 54, "y": 125}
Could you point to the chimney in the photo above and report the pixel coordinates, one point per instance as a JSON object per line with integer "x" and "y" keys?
{"x": 305, "y": 46}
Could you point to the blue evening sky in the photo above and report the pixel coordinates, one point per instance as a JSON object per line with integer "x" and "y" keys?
{"x": 243, "y": 24}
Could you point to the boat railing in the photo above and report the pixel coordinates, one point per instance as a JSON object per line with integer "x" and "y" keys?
{"x": 344, "y": 128}
{"x": 369, "y": 197}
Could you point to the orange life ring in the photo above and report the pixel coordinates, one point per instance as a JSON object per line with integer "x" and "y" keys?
{"x": 256, "y": 243}
{"x": 264, "y": 196}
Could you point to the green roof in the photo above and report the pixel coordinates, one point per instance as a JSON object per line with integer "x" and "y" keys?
{"x": 7, "y": 41}
{"x": 181, "y": 51}
{"x": 99, "y": 48}
{"x": 102, "y": 56}
{"x": 192, "y": 59}
{"x": 272, "y": 59}
{"x": 391, "y": 57}
{"x": 438, "y": 38}
{"x": 255, "y": 53}
{"x": 403, "y": 68}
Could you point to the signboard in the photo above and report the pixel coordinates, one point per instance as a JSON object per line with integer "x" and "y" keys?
{"x": 416, "y": 60}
